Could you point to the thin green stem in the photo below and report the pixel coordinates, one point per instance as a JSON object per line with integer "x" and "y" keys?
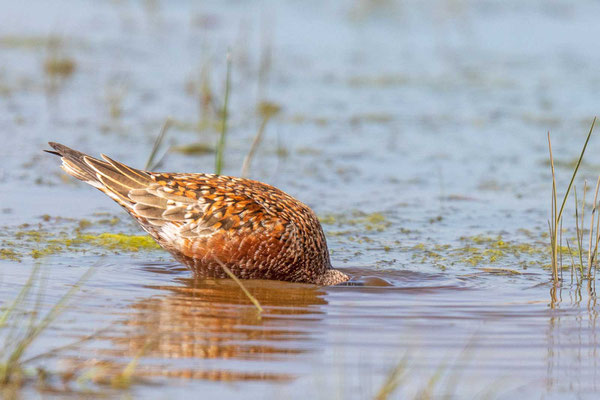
{"x": 221, "y": 142}
{"x": 240, "y": 284}
{"x": 163, "y": 131}
{"x": 562, "y": 207}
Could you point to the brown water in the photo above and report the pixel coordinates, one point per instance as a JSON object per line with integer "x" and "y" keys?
{"x": 415, "y": 130}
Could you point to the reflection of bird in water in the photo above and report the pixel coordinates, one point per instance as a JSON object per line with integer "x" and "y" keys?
{"x": 256, "y": 230}
{"x": 211, "y": 320}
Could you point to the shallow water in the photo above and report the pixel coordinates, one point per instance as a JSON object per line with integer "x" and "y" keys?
{"x": 416, "y": 131}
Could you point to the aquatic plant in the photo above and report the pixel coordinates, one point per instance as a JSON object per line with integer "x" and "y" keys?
{"x": 194, "y": 149}
{"x": 588, "y": 258}
{"x": 57, "y": 235}
{"x": 393, "y": 379}
{"x": 21, "y": 328}
{"x": 266, "y": 110}
{"x": 150, "y": 164}
{"x": 241, "y": 285}
{"x": 555, "y": 224}
{"x": 58, "y": 66}
{"x": 441, "y": 383}
{"x": 221, "y": 142}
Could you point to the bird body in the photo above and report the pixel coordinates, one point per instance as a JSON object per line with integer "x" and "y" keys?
{"x": 206, "y": 221}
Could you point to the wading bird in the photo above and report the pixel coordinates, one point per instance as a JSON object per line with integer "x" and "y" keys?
{"x": 206, "y": 221}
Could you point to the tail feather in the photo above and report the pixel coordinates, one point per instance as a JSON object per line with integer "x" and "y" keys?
{"x": 74, "y": 164}
{"x": 141, "y": 177}
{"x": 111, "y": 177}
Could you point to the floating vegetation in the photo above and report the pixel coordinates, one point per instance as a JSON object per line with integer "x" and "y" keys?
{"x": 482, "y": 250}
{"x": 9, "y": 254}
{"x": 365, "y": 221}
{"x": 59, "y": 235}
{"x": 120, "y": 241}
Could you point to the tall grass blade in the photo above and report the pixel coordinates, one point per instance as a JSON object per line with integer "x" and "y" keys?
{"x": 150, "y": 164}
{"x": 557, "y": 215}
{"x": 573, "y": 272}
{"x": 395, "y": 377}
{"x": 221, "y": 142}
{"x": 267, "y": 111}
{"x": 562, "y": 207}
{"x": 554, "y": 225}
{"x": 20, "y": 297}
{"x": 594, "y": 212}
{"x": 240, "y": 284}
{"x": 38, "y": 328}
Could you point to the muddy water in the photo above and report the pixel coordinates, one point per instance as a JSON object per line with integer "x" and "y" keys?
{"x": 415, "y": 131}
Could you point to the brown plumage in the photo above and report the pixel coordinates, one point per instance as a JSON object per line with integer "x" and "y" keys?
{"x": 255, "y": 229}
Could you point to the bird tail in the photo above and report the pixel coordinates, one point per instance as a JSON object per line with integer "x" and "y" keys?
{"x": 111, "y": 177}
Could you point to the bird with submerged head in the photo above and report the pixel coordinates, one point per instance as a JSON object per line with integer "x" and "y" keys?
{"x": 206, "y": 221}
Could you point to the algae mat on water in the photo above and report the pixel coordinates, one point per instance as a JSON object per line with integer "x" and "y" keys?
{"x": 60, "y": 235}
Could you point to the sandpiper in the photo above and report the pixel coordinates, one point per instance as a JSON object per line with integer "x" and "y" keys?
{"x": 206, "y": 220}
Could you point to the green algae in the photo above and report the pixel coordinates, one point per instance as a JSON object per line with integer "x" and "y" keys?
{"x": 9, "y": 254}
{"x": 109, "y": 221}
{"x": 84, "y": 224}
{"x": 48, "y": 250}
{"x": 364, "y": 221}
{"x": 121, "y": 242}
{"x": 62, "y": 235}
{"x": 475, "y": 251}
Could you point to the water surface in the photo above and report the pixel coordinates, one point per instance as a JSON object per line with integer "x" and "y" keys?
{"x": 416, "y": 131}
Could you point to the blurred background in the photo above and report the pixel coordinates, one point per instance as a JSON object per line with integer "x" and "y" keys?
{"x": 415, "y": 129}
